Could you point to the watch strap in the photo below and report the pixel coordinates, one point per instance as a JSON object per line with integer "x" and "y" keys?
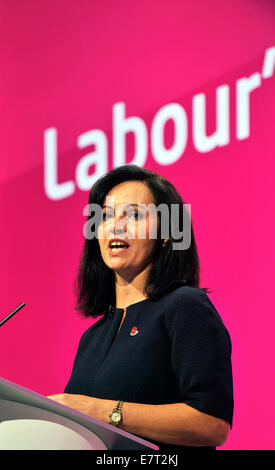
{"x": 116, "y": 409}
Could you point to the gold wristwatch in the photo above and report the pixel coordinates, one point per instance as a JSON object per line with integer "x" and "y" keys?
{"x": 116, "y": 414}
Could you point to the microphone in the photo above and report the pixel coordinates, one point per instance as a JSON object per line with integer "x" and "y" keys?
{"x": 111, "y": 310}
{"x": 12, "y": 313}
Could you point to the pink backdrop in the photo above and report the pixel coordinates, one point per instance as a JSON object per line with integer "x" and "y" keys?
{"x": 67, "y": 66}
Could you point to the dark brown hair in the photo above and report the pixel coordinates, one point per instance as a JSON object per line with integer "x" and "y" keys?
{"x": 95, "y": 284}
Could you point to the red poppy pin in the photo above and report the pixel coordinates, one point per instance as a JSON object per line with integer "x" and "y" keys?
{"x": 134, "y": 331}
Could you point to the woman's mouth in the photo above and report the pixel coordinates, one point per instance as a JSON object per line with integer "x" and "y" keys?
{"x": 117, "y": 247}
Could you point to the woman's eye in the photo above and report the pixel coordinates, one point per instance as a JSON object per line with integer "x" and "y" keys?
{"x": 135, "y": 215}
{"x": 107, "y": 215}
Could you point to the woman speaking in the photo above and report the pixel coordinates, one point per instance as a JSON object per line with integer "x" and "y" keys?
{"x": 157, "y": 363}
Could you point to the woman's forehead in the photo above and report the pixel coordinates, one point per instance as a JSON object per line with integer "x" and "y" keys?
{"x": 130, "y": 192}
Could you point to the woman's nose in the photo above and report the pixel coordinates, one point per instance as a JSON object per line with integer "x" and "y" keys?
{"x": 118, "y": 225}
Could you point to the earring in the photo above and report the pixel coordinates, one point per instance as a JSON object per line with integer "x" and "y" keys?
{"x": 165, "y": 242}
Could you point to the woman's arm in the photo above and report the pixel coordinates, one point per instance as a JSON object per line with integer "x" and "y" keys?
{"x": 175, "y": 424}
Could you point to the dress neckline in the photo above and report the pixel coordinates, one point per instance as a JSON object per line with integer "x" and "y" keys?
{"x": 135, "y": 304}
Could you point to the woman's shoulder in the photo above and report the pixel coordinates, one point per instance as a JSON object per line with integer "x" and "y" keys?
{"x": 190, "y": 304}
{"x": 185, "y": 295}
{"x": 89, "y": 332}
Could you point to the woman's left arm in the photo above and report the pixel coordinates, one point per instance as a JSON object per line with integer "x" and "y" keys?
{"x": 175, "y": 424}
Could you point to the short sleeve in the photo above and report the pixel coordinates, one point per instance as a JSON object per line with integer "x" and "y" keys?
{"x": 200, "y": 352}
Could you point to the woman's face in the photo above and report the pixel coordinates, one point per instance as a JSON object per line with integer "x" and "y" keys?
{"x": 123, "y": 221}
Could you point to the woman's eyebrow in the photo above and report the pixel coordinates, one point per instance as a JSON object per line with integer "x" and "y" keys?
{"x": 126, "y": 205}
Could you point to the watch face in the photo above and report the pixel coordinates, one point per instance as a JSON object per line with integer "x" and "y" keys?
{"x": 116, "y": 417}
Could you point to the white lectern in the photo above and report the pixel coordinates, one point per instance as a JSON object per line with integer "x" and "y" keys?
{"x": 29, "y": 421}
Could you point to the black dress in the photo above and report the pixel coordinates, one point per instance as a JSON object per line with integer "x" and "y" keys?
{"x": 179, "y": 351}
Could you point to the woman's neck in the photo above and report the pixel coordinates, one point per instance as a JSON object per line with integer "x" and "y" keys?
{"x": 130, "y": 290}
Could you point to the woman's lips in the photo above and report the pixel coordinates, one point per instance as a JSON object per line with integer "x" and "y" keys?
{"x": 117, "y": 251}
